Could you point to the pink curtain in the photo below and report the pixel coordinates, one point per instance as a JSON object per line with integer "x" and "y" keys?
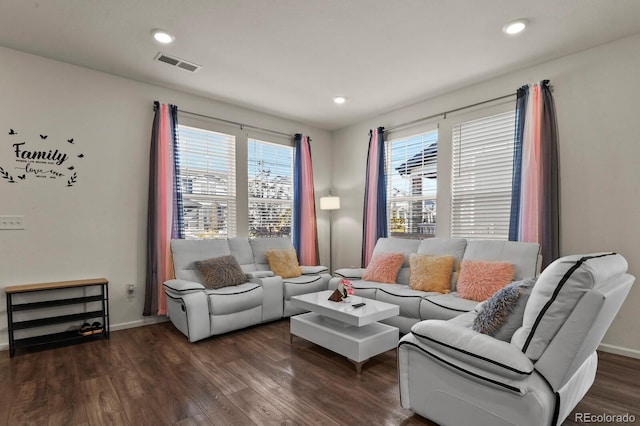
{"x": 164, "y": 222}
{"x": 530, "y": 194}
{"x": 375, "y": 196}
{"x": 305, "y": 234}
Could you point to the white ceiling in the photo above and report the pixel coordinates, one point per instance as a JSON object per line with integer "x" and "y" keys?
{"x": 290, "y": 57}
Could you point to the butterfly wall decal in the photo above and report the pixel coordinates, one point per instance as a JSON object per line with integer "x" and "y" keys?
{"x": 22, "y": 177}
{"x": 70, "y": 140}
{"x": 43, "y": 136}
{"x": 12, "y": 132}
{"x": 81, "y": 156}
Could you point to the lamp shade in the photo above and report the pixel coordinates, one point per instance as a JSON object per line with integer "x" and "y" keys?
{"x": 329, "y": 203}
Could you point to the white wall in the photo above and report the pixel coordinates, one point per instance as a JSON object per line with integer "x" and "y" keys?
{"x": 98, "y": 227}
{"x": 596, "y": 94}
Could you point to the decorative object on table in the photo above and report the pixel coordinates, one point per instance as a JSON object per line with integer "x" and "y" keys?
{"x": 336, "y": 296}
{"x": 345, "y": 289}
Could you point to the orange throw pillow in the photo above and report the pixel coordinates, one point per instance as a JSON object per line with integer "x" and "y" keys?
{"x": 283, "y": 263}
{"x": 479, "y": 279}
{"x": 383, "y": 268}
{"x": 430, "y": 273}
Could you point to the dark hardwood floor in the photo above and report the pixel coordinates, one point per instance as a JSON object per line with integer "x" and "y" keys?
{"x": 153, "y": 376}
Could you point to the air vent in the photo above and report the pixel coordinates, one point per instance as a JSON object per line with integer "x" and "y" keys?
{"x": 176, "y": 62}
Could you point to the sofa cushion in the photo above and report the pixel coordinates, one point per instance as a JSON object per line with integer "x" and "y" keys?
{"x": 445, "y": 306}
{"x": 407, "y": 299}
{"x": 284, "y": 263}
{"x": 479, "y": 279}
{"x": 398, "y": 245}
{"x": 383, "y": 268}
{"x": 219, "y": 272}
{"x": 501, "y": 315}
{"x": 229, "y": 300}
{"x": 430, "y": 273}
{"x": 556, "y": 293}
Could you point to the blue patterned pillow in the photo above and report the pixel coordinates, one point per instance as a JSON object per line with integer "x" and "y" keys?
{"x": 501, "y": 315}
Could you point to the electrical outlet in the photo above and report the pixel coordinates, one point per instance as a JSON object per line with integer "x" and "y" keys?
{"x": 11, "y": 222}
{"x": 131, "y": 290}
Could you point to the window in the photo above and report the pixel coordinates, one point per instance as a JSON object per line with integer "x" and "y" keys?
{"x": 270, "y": 186}
{"x": 412, "y": 185}
{"x": 208, "y": 177}
{"x": 482, "y": 164}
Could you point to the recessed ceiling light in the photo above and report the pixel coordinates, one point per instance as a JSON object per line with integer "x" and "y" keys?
{"x": 339, "y": 99}
{"x": 515, "y": 27}
{"x": 162, "y": 36}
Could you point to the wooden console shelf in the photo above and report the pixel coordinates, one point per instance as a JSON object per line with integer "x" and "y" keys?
{"x": 71, "y": 336}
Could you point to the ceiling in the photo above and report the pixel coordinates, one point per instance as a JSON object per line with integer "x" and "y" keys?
{"x": 290, "y": 57}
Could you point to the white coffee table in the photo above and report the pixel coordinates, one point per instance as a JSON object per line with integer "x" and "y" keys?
{"x": 341, "y": 328}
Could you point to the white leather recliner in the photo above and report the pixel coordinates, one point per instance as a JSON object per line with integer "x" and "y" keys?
{"x": 453, "y": 375}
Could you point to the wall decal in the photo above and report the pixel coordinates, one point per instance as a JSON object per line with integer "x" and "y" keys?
{"x": 39, "y": 160}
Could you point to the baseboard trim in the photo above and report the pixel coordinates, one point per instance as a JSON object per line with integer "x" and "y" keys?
{"x": 619, "y": 350}
{"x": 4, "y": 346}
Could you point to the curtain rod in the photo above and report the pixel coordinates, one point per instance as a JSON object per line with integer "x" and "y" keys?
{"x": 235, "y": 123}
{"x": 444, "y": 113}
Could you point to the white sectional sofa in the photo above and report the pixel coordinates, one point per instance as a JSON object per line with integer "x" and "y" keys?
{"x": 418, "y": 305}
{"x": 199, "y": 312}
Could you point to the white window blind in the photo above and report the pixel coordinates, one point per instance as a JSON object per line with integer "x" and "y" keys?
{"x": 270, "y": 178}
{"x": 208, "y": 177}
{"x": 412, "y": 185}
{"x": 482, "y": 164}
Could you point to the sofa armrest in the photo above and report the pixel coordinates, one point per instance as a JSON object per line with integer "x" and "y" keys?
{"x": 181, "y": 286}
{"x": 258, "y": 274}
{"x": 313, "y": 270}
{"x": 471, "y": 348}
{"x": 350, "y": 273}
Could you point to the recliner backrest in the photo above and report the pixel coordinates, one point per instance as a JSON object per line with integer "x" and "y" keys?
{"x": 558, "y": 292}
{"x": 522, "y": 255}
{"x": 405, "y": 246}
{"x": 186, "y": 252}
{"x": 259, "y": 247}
{"x": 583, "y": 331}
{"x": 241, "y": 250}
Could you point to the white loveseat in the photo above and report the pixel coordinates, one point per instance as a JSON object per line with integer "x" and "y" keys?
{"x": 418, "y": 305}
{"x": 199, "y": 312}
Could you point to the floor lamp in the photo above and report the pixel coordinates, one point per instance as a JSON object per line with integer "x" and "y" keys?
{"x": 330, "y": 203}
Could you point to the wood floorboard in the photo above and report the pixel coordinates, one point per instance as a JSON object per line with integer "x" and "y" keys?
{"x": 153, "y": 376}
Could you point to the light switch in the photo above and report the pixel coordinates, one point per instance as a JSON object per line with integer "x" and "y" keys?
{"x": 11, "y": 222}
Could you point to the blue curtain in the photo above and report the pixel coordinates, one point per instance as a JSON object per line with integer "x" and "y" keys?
{"x": 521, "y": 112}
{"x": 375, "y": 196}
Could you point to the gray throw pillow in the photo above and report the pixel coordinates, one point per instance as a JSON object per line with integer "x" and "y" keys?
{"x": 218, "y": 272}
{"x": 501, "y": 315}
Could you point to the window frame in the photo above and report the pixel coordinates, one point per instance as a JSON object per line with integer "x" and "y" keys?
{"x": 242, "y": 136}
{"x": 429, "y": 229}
